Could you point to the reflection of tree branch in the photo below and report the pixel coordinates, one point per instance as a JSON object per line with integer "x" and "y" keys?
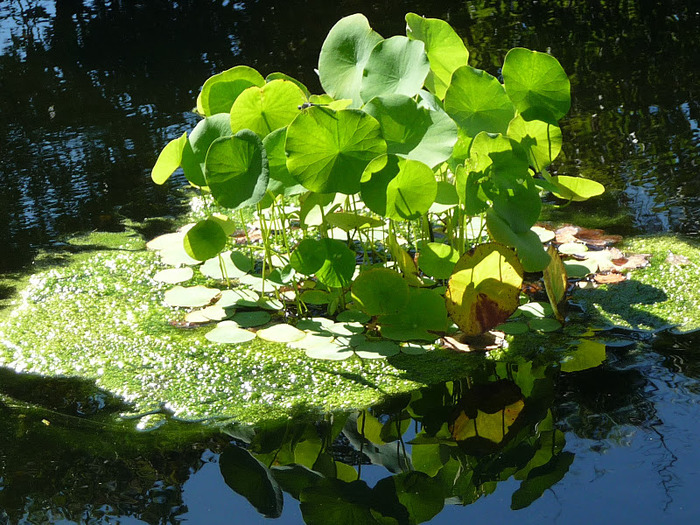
{"x": 665, "y": 472}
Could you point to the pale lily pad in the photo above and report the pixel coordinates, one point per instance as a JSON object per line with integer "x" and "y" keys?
{"x": 268, "y": 303}
{"x": 536, "y": 309}
{"x": 544, "y": 234}
{"x": 165, "y": 241}
{"x": 281, "y": 333}
{"x": 197, "y": 317}
{"x": 330, "y": 352}
{"x": 174, "y": 275}
{"x": 258, "y": 284}
{"x": 190, "y": 297}
{"x": 238, "y": 297}
{"x": 588, "y": 354}
{"x": 250, "y": 319}
{"x": 212, "y": 267}
{"x": 345, "y": 329}
{"x": 217, "y": 313}
{"x": 573, "y": 248}
{"x": 377, "y": 349}
{"x": 311, "y": 341}
{"x": 228, "y": 332}
{"x": 579, "y": 269}
{"x": 315, "y": 324}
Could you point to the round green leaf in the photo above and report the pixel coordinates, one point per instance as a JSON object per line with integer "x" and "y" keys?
{"x": 380, "y": 291}
{"x": 352, "y": 316}
{"x": 311, "y": 340}
{"x": 339, "y": 266}
{"x": 265, "y": 109}
{"x": 446, "y": 197}
{"x": 423, "y": 317}
{"x": 195, "y": 153}
{"x": 396, "y": 65}
{"x": 190, "y": 297}
{"x": 530, "y": 251}
{"x": 436, "y": 259}
{"x": 331, "y": 351}
{"x": 413, "y": 131}
{"x": 281, "y": 182}
{"x": 537, "y": 85}
{"x": 445, "y": 49}
{"x": 377, "y": 349}
{"x": 220, "y": 91}
{"x": 483, "y": 291}
{"x": 282, "y": 76}
{"x": 250, "y": 319}
{"x": 308, "y": 257}
{"x": 174, "y": 275}
{"x": 327, "y": 151}
{"x": 343, "y": 57}
{"x": 281, "y": 333}
{"x": 545, "y": 324}
{"x": 577, "y": 188}
{"x": 205, "y": 240}
{"x": 238, "y": 297}
{"x": 228, "y": 332}
{"x": 236, "y": 170}
{"x": 513, "y": 328}
{"x": 169, "y": 159}
{"x": 401, "y": 189}
{"x": 540, "y": 140}
{"x": 478, "y": 102}
{"x": 213, "y": 267}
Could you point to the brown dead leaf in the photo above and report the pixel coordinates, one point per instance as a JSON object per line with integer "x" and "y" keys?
{"x": 591, "y": 237}
{"x": 632, "y": 262}
{"x": 477, "y": 343}
{"x": 677, "y": 260}
{"x": 609, "y": 278}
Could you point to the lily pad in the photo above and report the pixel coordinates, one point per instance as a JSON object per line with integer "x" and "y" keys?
{"x": 251, "y": 319}
{"x": 190, "y": 297}
{"x": 380, "y": 291}
{"x": 436, "y": 259}
{"x": 174, "y": 275}
{"x": 213, "y": 267}
{"x": 424, "y": 317}
{"x": 330, "y": 351}
{"x": 238, "y": 297}
{"x": 377, "y": 349}
{"x": 220, "y": 91}
{"x": 281, "y": 333}
{"x": 205, "y": 240}
{"x": 267, "y": 108}
{"x": 228, "y": 332}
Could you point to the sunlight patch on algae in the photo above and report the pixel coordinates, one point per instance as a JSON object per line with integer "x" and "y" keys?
{"x": 665, "y": 294}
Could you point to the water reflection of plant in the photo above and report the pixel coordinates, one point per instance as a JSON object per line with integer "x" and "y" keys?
{"x": 469, "y": 435}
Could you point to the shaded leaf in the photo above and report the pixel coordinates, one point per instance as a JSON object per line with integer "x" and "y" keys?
{"x": 380, "y": 291}
{"x": 205, "y": 240}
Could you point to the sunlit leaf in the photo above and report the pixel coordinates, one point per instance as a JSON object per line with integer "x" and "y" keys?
{"x": 577, "y": 188}
{"x": 205, "y": 240}
{"x": 530, "y": 250}
{"x": 174, "y": 275}
{"x": 283, "y": 76}
{"x": 339, "y": 265}
{"x": 281, "y": 333}
{"x": 191, "y": 296}
{"x": 478, "y": 102}
{"x": 220, "y": 91}
{"x": 268, "y": 108}
{"x": 169, "y": 159}
{"x": 347, "y": 221}
{"x": 330, "y": 351}
{"x": 308, "y": 257}
{"x": 195, "y": 153}
{"x": 343, "y": 57}
{"x": 555, "y": 282}
{"x": 445, "y": 49}
{"x": 328, "y": 150}
{"x": 436, "y": 259}
{"x": 414, "y": 131}
{"x": 537, "y": 85}
{"x": 281, "y": 182}
{"x": 236, "y": 170}
{"x": 228, "y": 332}
{"x": 400, "y": 189}
{"x": 540, "y": 140}
{"x": 380, "y": 291}
{"x": 396, "y": 65}
{"x": 484, "y": 288}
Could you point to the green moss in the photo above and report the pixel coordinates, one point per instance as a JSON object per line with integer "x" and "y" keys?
{"x": 663, "y": 294}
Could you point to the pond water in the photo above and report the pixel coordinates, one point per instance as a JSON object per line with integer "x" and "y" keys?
{"x": 90, "y": 91}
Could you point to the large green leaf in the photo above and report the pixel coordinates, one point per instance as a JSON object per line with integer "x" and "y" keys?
{"x": 205, "y": 240}
{"x": 250, "y": 478}
{"x": 537, "y": 85}
{"x": 396, "y": 65}
{"x": 265, "y": 109}
{"x": 236, "y": 170}
{"x": 423, "y": 317}
{"x": 478, "y": 102}
{"x": 169, "y": 159}
{"x": 204, "y": 133}
{"x": 308, "y": 257}
{"x": 327, "y": 150}
{"x": 445, "y": 49}
{"x": 436, "y": 259}
{"x": 528, "y": 245}
{"x": 380, "y": 291}
{"x": 577, "y": 188}
{"x": 343, "y": 57}
{"x": 400, "y": 189}
{"x": 281, "y": 182}
{"x": 220, "y": 91}
{"x": 540, "y": 140}
{"x": 484, "y": 288}
{"x": 413, "y": 131}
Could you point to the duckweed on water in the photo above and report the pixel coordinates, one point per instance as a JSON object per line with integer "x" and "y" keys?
{"x": 101, "y": 317}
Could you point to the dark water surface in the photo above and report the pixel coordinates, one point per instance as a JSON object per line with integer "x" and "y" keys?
{"x": 90, "y": 91}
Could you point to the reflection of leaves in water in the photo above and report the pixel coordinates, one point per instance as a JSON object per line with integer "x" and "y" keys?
{"x": 540, "y": 479}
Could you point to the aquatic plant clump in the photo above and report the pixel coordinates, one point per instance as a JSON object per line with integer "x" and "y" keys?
{"x": 403, "y": 200}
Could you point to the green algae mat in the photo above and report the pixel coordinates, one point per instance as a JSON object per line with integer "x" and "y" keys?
{"x": 101, "y": 317}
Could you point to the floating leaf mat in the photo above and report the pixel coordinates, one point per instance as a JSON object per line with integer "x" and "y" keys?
{"x": 103, "y": 318}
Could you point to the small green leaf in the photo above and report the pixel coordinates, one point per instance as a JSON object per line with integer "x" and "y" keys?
{"x": 343, "y": 57}
{"x": 204, "y": 133}
{"x": 577, "y": 188}
{"x": 236, "y": 170}
{"x": 205, "y": 240}
{"x": 445, "y": 49}
{"x": 537, "y": 85}
{"x": 545, "y": 324}
{"x": 540, "y": 140}
{"x": 220, "y": 91}
{"x": 169, "y": 159}
{"x": 339, "y": 266}
{"x": 423, "y": 317}
{"x": 396, "y": 65}
{"x": 308, "y": 257}
{"x": 436, "y": 259}
{"x": 588, "y": 354}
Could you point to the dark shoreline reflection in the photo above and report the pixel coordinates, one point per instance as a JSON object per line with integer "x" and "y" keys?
{"x": 91, "y": 91}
